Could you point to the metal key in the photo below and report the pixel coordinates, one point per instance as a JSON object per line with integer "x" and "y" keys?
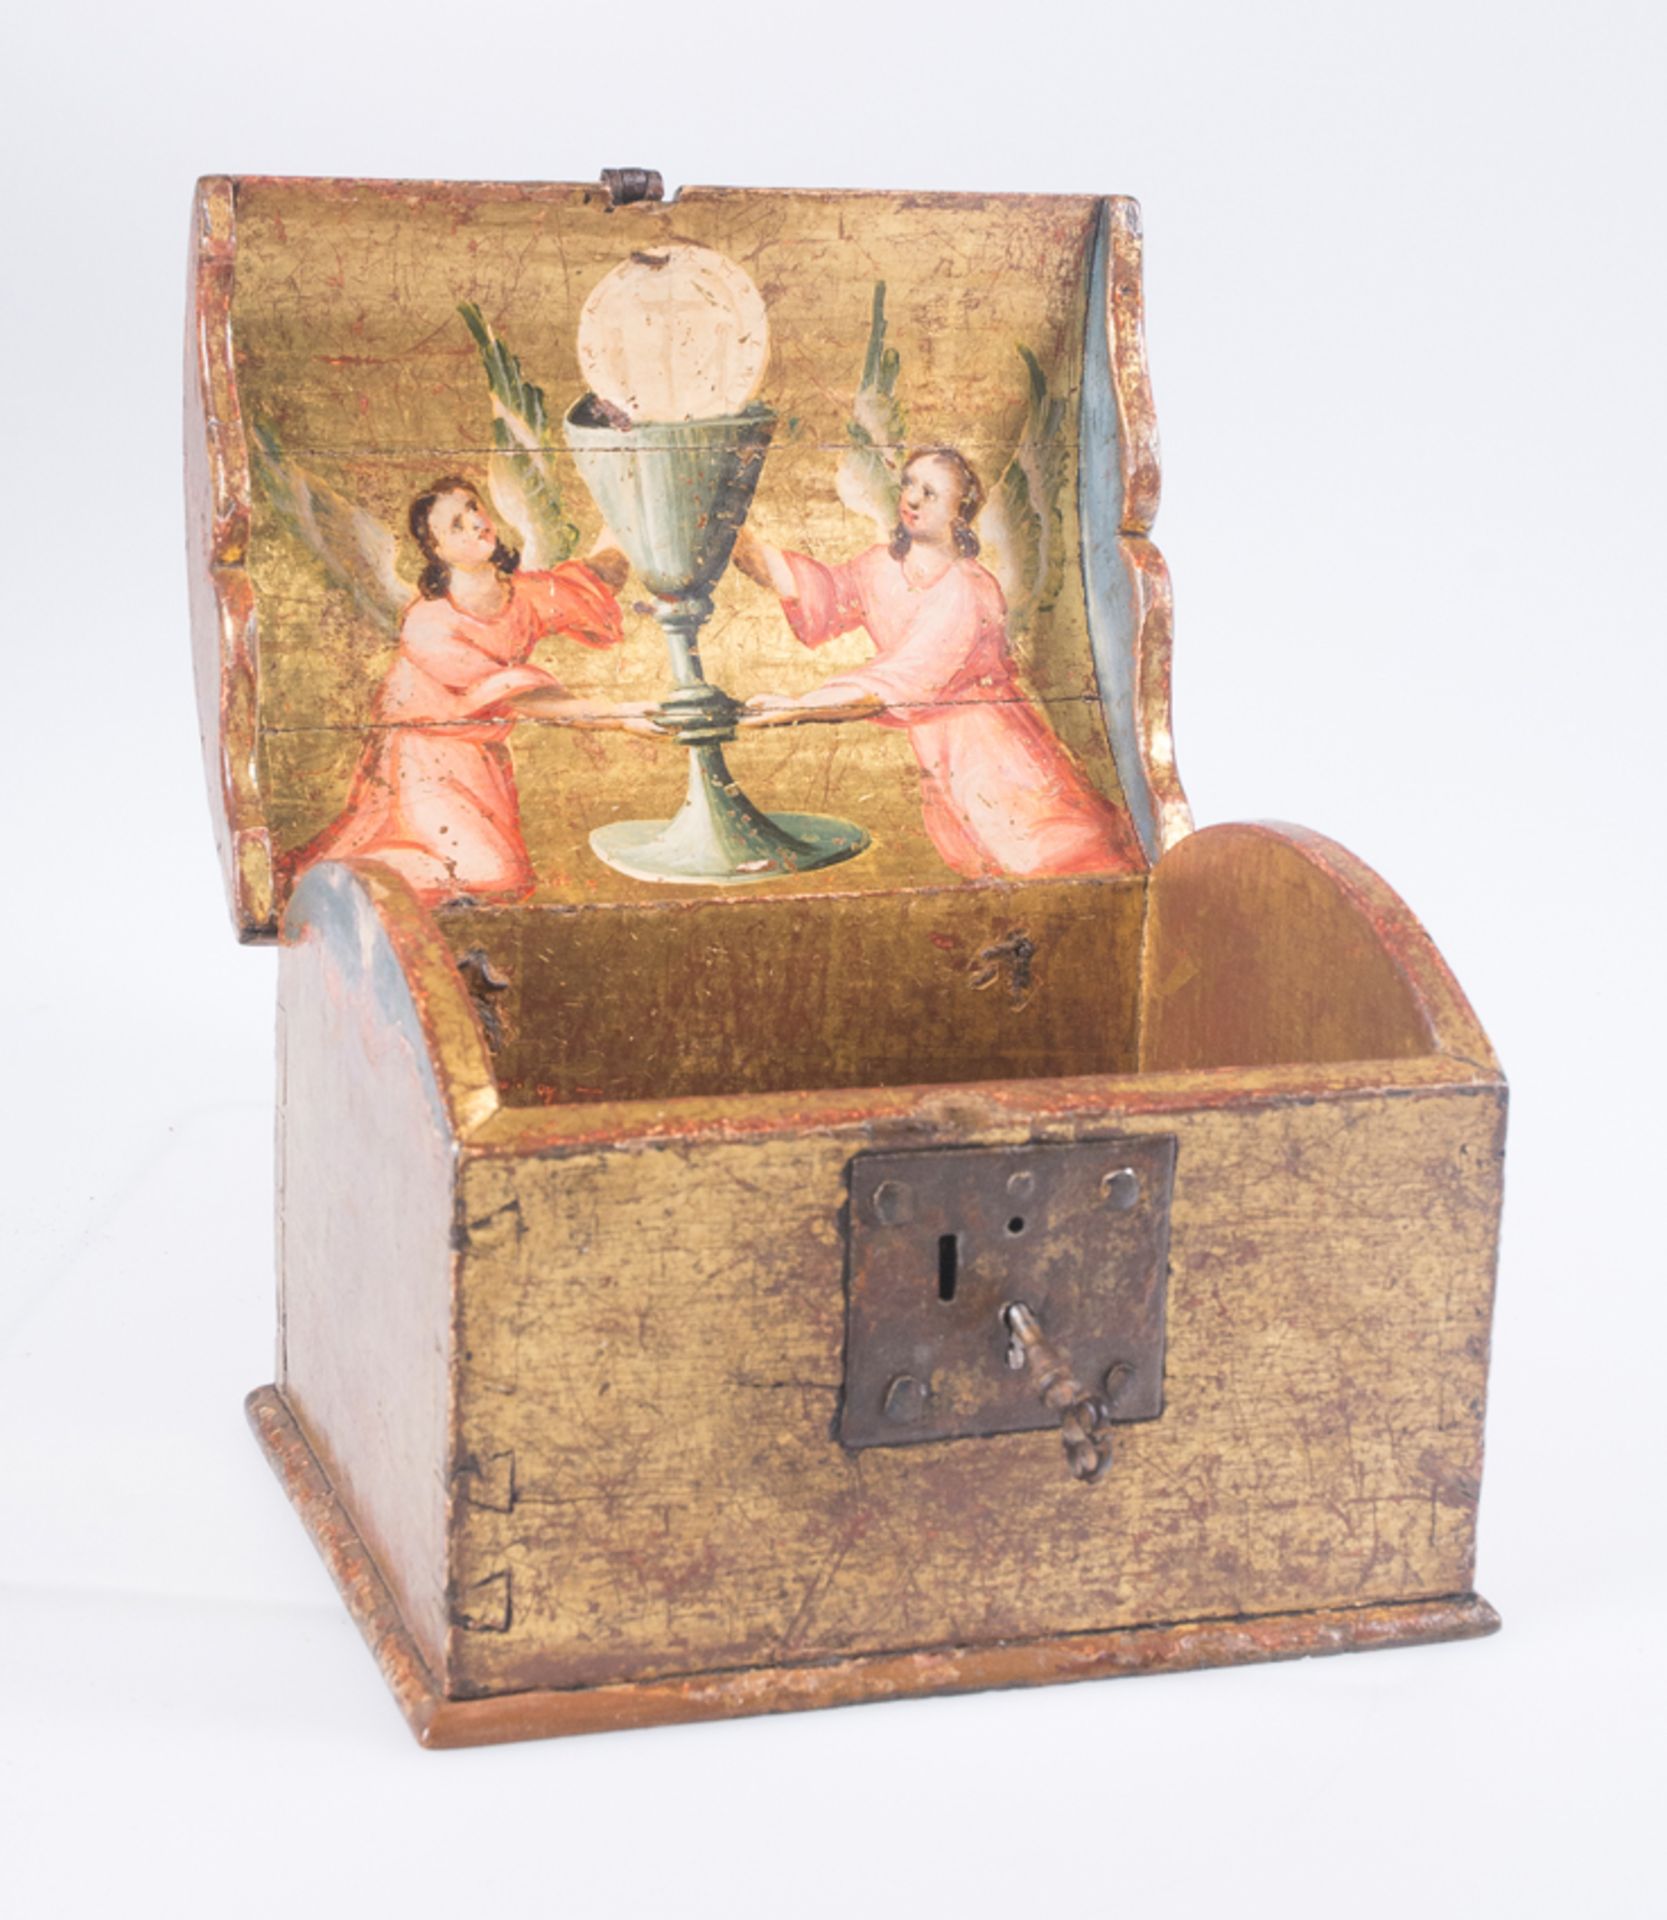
{"x": 1085, "y": 1420}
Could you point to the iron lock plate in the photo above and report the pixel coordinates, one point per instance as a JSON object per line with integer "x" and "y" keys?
{"x": 943, "y": 1241}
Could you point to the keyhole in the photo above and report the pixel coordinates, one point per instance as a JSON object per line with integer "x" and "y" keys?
{"x": 949, "y": 1259}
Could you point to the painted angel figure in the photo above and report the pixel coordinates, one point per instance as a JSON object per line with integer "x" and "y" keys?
{"x": 1000, "y": 792}
{"x": 434, "y": 793}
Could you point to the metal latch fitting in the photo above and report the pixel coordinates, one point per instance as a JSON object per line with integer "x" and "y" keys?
{"x": 1008, "y": 1289}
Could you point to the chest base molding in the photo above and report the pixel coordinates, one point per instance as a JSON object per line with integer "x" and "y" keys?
{"x": 1174, "y": 1646}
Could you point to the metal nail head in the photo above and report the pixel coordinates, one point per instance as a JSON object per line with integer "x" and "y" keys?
{"x": 1121, "y": 1188}
{"x": 905, "y": 1400}
{"x": 1117, "y": 1376}
{"x": 894, "y": 1204}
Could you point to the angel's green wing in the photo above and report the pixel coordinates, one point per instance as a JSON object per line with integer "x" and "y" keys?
{"x": 356, "y": 550}
{"x": 1022, "y": 525}
{"x": 521, "y": 473}
{"x": 870, "y": 468}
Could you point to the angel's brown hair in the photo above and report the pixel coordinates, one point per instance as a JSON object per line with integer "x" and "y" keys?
{"x": 435, "y": 580}
{"x": 967, "y": 507}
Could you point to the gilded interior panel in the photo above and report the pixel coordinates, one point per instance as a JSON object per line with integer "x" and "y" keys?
{"x": 843, "y": 990}
{"x": 352, "y": 356}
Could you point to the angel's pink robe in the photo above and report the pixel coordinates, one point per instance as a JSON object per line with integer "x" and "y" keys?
{"x": 434, "y": 795}
{"x": 1000, "y": 792}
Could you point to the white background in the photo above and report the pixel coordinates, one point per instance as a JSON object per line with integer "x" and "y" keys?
{"x": 1406, "y": 320}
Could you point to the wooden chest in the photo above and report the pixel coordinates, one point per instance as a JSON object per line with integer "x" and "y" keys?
{"x": 802, "y": 1177}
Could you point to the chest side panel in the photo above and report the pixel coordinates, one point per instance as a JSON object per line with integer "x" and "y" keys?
{"x": 365, "y": 1196}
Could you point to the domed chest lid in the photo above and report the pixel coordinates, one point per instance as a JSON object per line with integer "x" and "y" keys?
{"x": 560, "y": 544}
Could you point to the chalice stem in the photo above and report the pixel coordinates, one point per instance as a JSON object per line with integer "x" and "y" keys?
{"x": 717, "y": 830}
{"x": 681, "y": 622}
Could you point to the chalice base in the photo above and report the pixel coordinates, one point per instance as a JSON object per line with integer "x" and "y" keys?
{"x": 718, "y": 837}
{"x": 665, "y": 850}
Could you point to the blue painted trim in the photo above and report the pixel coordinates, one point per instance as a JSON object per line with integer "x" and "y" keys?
{"x": 1108, "y": 586}
{"x": 332, "y": 902}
